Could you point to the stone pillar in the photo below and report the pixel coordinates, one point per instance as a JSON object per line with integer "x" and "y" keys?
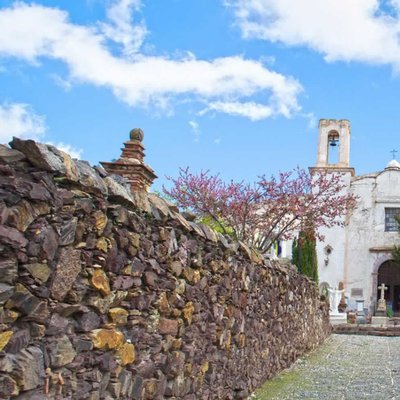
{"x": 131, "y": 163}
{"x": 322, "y": 156}
{"x": 344, "y": 151}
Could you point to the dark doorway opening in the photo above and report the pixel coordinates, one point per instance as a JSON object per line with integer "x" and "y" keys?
{"x": 389, "y": 274}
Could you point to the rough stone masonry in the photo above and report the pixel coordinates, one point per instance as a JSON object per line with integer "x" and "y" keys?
{"x": 109, "y": 295}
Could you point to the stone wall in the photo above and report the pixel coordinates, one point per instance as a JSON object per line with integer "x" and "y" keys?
{"x": 106, "y": 296}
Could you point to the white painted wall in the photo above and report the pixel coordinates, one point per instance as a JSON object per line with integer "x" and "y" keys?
{"x": 354, "y": 259}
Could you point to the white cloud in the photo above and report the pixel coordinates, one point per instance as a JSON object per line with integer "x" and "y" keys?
{"x": 34, "y": 32}
{"x": 196, "y": 130}
{"x": 63, "y": 83}
{"x": 67, "y": 148}
{"x": 352, "y": 30}
{"x": 312, "y": 120}
{"x": 20, "y": 120}
{"x": 217, "y": 140}
{"x": 121, "y": 30}
{"x": 253, "y": 111}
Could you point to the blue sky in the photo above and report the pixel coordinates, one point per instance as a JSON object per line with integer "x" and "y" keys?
{"x": 233, "y": 86}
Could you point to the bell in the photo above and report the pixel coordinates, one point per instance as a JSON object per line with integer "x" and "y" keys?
{"x": 333, "y": 142}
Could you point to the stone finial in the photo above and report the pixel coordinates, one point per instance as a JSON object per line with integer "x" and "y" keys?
{"x": 136, "y": 134}
{"x": 131, "y": 164}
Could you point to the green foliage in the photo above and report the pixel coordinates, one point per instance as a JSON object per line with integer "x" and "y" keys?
{"x": 305, "y": 254}
{"x": 396, "y": 250}
{"x": 396, "y": 254}
{"x": 324, "y": 292}
{"x": 219, "y": 226}
{"x": 295, "y": 253}
{"x": 389, "y": 312}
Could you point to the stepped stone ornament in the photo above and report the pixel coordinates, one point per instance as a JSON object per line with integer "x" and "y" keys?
{"x": 131, "y": 164}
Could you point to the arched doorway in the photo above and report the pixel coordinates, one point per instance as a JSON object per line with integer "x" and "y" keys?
{"x": 389, "y": 274}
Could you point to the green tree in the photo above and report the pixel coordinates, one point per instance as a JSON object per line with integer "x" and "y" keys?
{"x": 396, "y": 250}
{"x": 304, "y": 254}
{"x": 295, "y": 253}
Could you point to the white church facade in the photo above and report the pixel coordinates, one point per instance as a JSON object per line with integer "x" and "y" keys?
{"x": 357, "y": 257}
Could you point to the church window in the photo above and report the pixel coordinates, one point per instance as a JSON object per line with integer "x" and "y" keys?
{"x": 391, "y": 224}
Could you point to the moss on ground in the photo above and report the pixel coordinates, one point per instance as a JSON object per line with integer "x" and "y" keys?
{"x": 287, "y": 381}
{"x": 293, "y": 380}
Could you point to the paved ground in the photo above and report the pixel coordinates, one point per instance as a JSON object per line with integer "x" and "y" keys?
{"x": 346, "y": 367}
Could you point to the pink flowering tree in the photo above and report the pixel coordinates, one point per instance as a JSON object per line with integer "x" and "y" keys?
{"x": 271, "y": 209}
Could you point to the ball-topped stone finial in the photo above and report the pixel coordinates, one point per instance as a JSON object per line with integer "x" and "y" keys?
{"x": 136, "y": 134}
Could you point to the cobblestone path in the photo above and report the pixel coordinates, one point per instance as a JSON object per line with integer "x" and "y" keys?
{"x": 346, "y": 367}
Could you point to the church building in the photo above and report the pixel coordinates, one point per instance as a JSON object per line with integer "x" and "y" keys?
{"x": 357, "y": 257}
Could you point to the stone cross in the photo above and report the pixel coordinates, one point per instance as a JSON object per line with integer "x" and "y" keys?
{"x": 394, "y": 153}
{"x": 382, "y": 288}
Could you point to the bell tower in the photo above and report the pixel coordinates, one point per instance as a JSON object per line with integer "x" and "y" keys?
{"x": 334, "y": 145}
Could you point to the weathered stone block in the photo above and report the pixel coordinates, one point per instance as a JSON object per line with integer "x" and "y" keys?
{"x": 118, "y": 315}
{"x": 137, "y": 268}
{"x": 175, "y": 364}
{"x": 150, "y": 278}
{"x": 5, "y": 338}
{"x": 115, "y": 389}
{"x": 81, "y": 345}
{"x": 176, "y": 267}
{"x": 8, "y": 387}
{"x": 126, "y": 354}
{"x": 6, "y": 291}
{"x": 67, "y": 232}
{"x": 19, "y": 340}
{"x": 100, "y": 282}
{"x": 10, "y": 156}
{"x": 188, "y": 312}
{"x": 60, "y": 351}
{"x": 107, "y": 339}
{"x": 28, "y": 369}
{"x": 123, "y": 283}
{"x": 28, "y": 304}
{"x": 67, "y": 270}
{"x": 57, "y": 324}
{"x": 100, "y": 221}
{"x": 48, "y": 238}
{"x": 118, "y": 193}
{"x": 102, "y": 244}
{"x": 168, "y": 326}
{"x": 89, "y": 179}
{"x": 104, "y": 304}
{"x": 88, "y": 321}
{"x": 24, "y": 213}
{"x": 8, "y": 270}
{"x": 40, "y": 272}
{"x": 12, "y": 237}
{"x": 46, "y": 157}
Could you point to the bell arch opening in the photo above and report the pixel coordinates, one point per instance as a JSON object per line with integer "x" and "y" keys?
{"x": 333, "y": 147}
